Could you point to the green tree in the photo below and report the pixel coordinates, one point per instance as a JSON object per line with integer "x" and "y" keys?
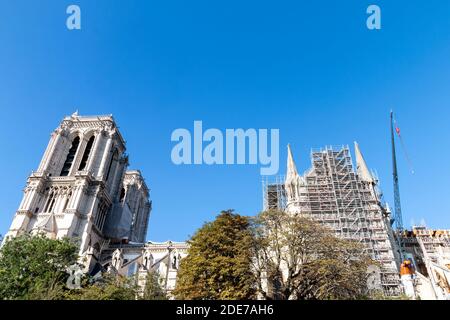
{"x": 378, "y": 295}
{"x": 218, "y": 264}
{"x": 153, "y": 289}
{"x": 110, "y": 287}
{"x": 34, "y": 267}
{"x": 297, "y": 258}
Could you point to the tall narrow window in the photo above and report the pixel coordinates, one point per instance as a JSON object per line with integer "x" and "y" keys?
{"x": 113, "y": 157}
{"x": 69, "y": 195}
{"x": 70, "y": 156}
{"x": 49, "y": 201}
{"x": 52, "y": 205}
{"x": 100, "y": 217}
{"x": 87, "y": 151}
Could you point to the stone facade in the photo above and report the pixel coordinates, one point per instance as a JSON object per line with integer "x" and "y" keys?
{"x": 82, "y": 190}
{"x": 136, "y": 259}
{"x": 429, "y": 252}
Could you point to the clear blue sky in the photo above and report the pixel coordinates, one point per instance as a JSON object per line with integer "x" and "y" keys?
{"x": 310, "y": 68}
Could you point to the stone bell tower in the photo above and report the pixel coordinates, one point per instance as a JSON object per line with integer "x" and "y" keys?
{"x": 76, "y": 186}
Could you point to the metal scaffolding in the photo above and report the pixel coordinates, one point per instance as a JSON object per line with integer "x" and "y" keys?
{"x": 274, "y": 194}
{"x": 332, "y": 193}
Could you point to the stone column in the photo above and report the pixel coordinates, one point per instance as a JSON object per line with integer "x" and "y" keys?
{"x": 62, "y": 201}
{"x": 77, "y": 196}
{"x": 94, "y": 151}
{"x": 30, "y": 195}
{"x": 24, "y": 198}
{"x": 105, "y": 157}
{"x": 76, "y": 159}
{"x": 79, "y": 154}
{"x": 46, "y": 161}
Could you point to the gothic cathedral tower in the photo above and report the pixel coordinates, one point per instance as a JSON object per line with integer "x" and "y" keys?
{"x": 82, "y": 190}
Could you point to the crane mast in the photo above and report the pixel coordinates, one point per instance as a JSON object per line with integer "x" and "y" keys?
{"x": 397, "y": 205}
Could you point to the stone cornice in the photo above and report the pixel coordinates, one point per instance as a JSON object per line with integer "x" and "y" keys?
{"x": 76, "y": 213}
{"x": 24, "y": 212}
{"x": 103, "y": 122}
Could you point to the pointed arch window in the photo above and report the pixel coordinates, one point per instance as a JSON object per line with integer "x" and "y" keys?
{"x": 66, "y": 202}
{"x": 70, "y": 156}
{"x": 52, "y": 205}
{"x": 114, "y": 156}
{"x": 100, "y": 217}
{"x": 86, "y": 154}
{"x": 50, "y": 202}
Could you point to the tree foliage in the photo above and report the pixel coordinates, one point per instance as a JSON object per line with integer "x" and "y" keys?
{"x": 34, "y": 267}
{"x": 153, "y": 289}
{"x": 274, "y": 256}
{"x": 297, "y": 258}
{"x": 218, "y": 264}
{"x": 110, "y": 287}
